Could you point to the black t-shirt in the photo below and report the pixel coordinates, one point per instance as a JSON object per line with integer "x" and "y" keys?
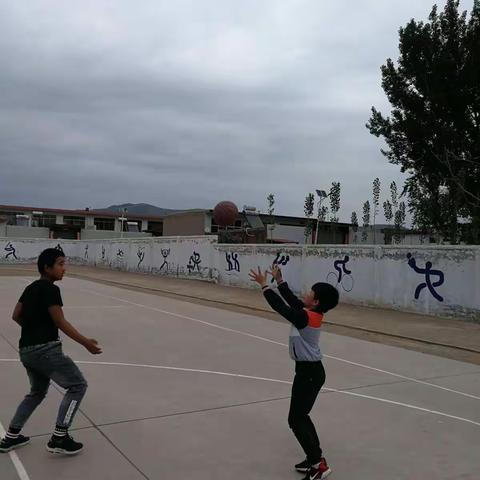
{"x": 37, "y": 325}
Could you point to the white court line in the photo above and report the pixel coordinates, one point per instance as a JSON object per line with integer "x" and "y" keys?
{"x": 22, "y": 473}
{"x": 273, "y": 380}
{"x": 93, "y": 307}
{"x": 81, "y": 307}
{"x": 410, "y": 379}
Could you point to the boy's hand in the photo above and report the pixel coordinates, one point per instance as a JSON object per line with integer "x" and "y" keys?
{"x": 259, "y": 277}
{"x": 276, "y": 273}
{"x": 92, "y": 346}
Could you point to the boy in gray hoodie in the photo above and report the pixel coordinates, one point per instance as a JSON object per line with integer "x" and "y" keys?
{"x": 306, "y": 318}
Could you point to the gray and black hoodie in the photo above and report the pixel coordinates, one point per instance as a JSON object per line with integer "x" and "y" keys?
{"x": 305, "y": 330}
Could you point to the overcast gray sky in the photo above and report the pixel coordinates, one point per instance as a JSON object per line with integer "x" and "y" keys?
{"x": 183, "y": 104}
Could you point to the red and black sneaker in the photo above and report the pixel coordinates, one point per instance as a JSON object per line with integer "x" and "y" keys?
{"x": 304, "y": 466}
{"x": 319, "y": 471}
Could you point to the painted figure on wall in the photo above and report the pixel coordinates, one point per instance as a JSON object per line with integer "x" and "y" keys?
{"x": 11, "y": 251}
{"x": 342, "y": 276}
{"x": 280, "y": 259}
{"x": 428, "y": 272}
{"x": 232, "y": 262}
{"x": 194, "y": 262}
{"x": 165, "y": 253}
{"x": 140, "y": 255}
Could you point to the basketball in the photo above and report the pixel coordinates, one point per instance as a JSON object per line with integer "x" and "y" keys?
{"x": 225, "y": 213}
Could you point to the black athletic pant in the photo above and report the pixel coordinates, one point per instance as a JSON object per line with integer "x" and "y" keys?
{"x": 309, "y": 379}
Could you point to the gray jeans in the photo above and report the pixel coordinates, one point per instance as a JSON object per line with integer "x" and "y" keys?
{"x": 44, "y": 363}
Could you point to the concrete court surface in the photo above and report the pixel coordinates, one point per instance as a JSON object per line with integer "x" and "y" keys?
{"x": 190, "y": 391}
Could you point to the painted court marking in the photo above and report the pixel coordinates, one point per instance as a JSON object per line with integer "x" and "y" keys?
{"x": 343, "y": 360}
{"x": 82, "y": 307}
{"x": 339, "y": 359}
{"x": 19, "y": 467}
{"x": 265, "y": 379}
{"x": 22, "y": 473}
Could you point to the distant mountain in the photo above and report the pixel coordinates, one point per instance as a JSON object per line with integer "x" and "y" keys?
{"x": 139, "y": 209}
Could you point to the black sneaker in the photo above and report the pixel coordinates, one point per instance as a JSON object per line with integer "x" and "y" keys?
{"x": 64, "y": 445}
{"x": 304, "y": 466}
{"x": 7, "y": 444}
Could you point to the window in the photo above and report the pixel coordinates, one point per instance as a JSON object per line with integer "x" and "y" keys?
{"x": 74, "y": 221}
{"x": 43, "y": 220}
{"x": 22, "y": 220}
{"x": 11, "y": 217}
{"x": 104, "y": 223}
{"x": 156, "y": 227}
{"x": 215, "y": 228}
{"x": 134, "y": 226}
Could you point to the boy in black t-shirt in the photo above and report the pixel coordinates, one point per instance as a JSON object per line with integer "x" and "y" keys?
{"x": 39, "y": 313}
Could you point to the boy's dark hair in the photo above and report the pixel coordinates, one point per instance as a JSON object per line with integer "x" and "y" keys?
{"x": 48, "y": 258}
{"x": 327, "y": 296}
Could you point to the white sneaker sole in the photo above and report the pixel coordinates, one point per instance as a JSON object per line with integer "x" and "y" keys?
{"x": 61, "y": 451}
{"x": 326, "y": 474}
{"x": 6, "y": 450}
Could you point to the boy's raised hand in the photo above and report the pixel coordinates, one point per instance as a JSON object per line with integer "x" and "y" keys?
{"x": 277, "y": 273}
{"x": 259, "y": 276}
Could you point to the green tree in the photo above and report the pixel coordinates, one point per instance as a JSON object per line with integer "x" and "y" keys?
{"x": 388, "y": 211}
{"x": 271, "y": 210}
{"x": 400, "y": 216}
{"x": 334, "y": 201}
{"x": 394, "y": 194}
{"x": 433, "y": 131}
{"x": 376, "y": 203}
{"x": 366, "y": 220}
{"x": 323, "y": 213}
{"x": 308, "y": 208}
{"x": 334, "y": 195}
{"x": 354, "y": 222}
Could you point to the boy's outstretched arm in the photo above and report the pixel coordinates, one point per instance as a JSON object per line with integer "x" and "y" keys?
{"x": 298, "y": 317}
{"x": 68, "y": 329}
{"x": 284, "y": 289}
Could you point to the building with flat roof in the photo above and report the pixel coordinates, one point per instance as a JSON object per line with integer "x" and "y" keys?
{"x": 34, "y": 222}
{"x": 250, "y": 226}
{"x": 254, "y": 227}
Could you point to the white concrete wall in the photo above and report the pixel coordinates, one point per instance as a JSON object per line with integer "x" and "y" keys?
{"x": 386, "y": 276}
{"x": 186, "y": 257}
{"x": 16, "y": 231}
{"x": 379, "y": 275}
{"x": 110, "y": 234}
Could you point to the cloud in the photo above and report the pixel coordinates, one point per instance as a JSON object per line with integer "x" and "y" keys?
{"x": 182, "y": 104}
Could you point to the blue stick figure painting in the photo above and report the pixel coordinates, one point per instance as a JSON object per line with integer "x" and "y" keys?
{"x": 194, "y": 262}
{"x": 140, "y": 255}
{"x": 11, "y": 251}
{"x": 165, "y": 254}
{"x": 342, "y": 276}
{"x": 232, "y": 261}
{"x": 280, "y": 259}
{"x": 428, "y": 272}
